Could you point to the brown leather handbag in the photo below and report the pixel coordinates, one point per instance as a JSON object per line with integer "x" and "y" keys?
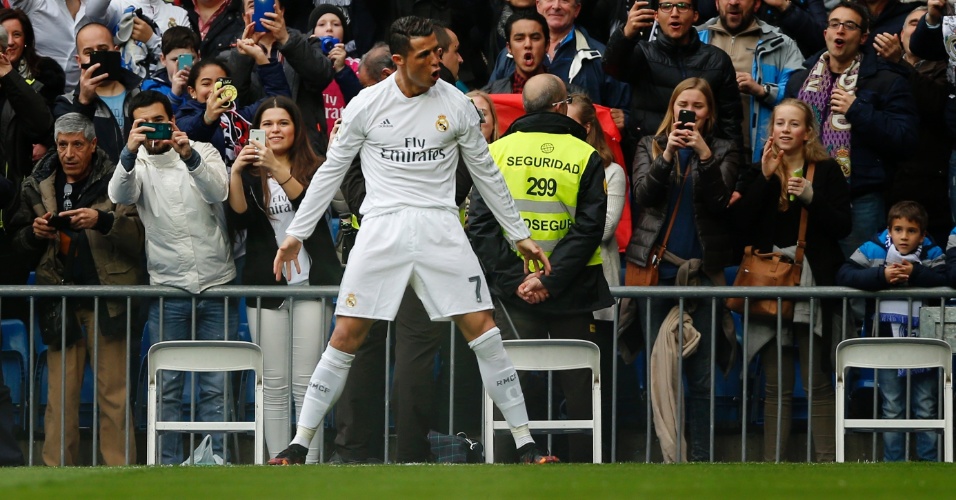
{"x": 771, "y": 269}
{"x": 647, "y": 275}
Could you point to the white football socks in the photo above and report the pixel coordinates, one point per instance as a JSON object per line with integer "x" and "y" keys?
{"x": 324, "y": 390}
{"x": 501, "y": 381}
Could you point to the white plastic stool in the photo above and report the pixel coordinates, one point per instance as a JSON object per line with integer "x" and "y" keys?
{"x": 896, "y": 354}
{"x": 551, "y": 355}
{"x": 203, "y": 356}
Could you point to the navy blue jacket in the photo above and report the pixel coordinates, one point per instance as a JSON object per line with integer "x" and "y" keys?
{"x": 883, "y": 117}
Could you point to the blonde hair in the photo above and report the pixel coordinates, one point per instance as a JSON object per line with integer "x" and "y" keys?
{"x": 595, "y": 133}
{"x": 813, "y": 149}
{"x": 667, "y": 124}
{"x": 494, "y": 114}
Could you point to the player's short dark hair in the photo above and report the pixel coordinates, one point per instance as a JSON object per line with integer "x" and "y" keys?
{"x": 909, "y": 210}
{"x": 527, "y": 15}
{"x": 148, "y": 98}
{"x": 404, "y": 29}
{"x": 857, "y": 7}
{"x": 441, "y": 33}
{"x": 180, "y": 37}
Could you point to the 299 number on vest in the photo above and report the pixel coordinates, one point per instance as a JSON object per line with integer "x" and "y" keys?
{"x": 542, "y": 186}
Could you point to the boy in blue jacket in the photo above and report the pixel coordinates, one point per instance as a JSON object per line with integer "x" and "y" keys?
{"x": 169, "y": 79}
{"x": 902, "y": 255}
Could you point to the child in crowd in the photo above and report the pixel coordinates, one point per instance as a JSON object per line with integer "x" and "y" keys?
{"x": 902, "y": 255}
{"x": 171, "y": 78}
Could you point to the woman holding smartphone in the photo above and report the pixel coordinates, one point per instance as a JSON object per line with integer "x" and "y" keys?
{"x": 682, "y": 179}
{"x": 768, "y": 214}
{"x": 266, "y": 185}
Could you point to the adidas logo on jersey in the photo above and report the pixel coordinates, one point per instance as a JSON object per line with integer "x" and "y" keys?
{"x": 385, "y": 124}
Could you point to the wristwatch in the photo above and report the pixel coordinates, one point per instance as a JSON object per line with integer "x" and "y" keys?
{"x": 766, "y": 89}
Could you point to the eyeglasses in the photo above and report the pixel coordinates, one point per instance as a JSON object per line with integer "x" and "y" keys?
{"x": 566, "y": 100}
{"x": 67, "y": 192}
{"x": 669, "y": 6}
{"x": 847, "y": 25}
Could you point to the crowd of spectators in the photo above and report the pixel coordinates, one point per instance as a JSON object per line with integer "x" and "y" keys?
{"x": 858, "y": 92}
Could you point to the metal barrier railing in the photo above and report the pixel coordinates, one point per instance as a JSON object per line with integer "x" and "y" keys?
{"x": 642, "y": 294}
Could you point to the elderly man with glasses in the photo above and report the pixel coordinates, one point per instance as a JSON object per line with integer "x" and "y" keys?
{"x": 867, "y": 113}
{"x": 654, "y": 68}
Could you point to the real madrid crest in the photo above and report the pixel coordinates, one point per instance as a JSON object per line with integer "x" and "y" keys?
{"x": 350, "y": 301}
{"x": 442, "y": 123}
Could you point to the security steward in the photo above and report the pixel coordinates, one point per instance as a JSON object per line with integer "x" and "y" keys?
{"x": 557, "y": 181}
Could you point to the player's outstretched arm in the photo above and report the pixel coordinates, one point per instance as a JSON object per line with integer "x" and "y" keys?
{"x": 286, "y": 257}
{"x": 533, "y": 253}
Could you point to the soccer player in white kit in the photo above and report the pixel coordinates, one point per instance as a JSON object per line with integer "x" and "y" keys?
{"x": 409, "y": 130}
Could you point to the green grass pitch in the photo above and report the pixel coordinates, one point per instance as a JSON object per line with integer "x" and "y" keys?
{"x": 731, "y": 481}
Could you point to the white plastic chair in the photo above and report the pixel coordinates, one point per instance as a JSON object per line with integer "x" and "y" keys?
{"x": 894, "y": 353}
{"x": 203, "y": 356}
{"x": 551, "y": 354}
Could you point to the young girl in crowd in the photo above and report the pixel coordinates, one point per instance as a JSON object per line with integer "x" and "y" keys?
{"x": 769, "y": 211}
{"x": 212, "y": 115}
{"x": 266, "y": 185}
{"x": 685, "y": 173}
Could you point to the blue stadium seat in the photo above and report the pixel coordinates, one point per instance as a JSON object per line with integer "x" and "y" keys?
{"x": 14, "y": 354}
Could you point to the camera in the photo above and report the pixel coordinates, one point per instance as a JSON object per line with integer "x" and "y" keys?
{"x": 328, "y": 43}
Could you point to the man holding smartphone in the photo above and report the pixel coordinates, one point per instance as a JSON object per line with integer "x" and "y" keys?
{"x": 179, "y": 186}
{"x": 654, "y": 68}
{"x": 105, "y": 88}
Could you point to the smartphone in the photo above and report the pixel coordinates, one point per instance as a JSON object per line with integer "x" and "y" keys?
{"x": 259, "y": 12}
{"x": 258, "y": 135}
{"x": 109, "y": 61}
{"x": 161, "y": 131}
{"x": 229, "y": 94}
{"x": 60, "y": 223}
{"x": 686, "y": 116}
{"x": 184, "y": 61}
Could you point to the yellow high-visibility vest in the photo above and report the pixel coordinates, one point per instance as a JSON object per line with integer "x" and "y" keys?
{"x": 543, "y": 172}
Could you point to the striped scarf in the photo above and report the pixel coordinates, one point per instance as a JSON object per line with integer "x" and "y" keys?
{"x": 816, "y": 91}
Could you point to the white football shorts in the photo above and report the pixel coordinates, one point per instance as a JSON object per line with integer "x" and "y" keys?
{"x": 426, "y": 248}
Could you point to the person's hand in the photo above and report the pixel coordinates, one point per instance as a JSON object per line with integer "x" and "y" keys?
{"x": 5, "y": 65}
{"x": 734, "y": 198}
{"x": 38, "y": 151}
{"x": 532, "y": 253}
{"x": 214, "y": 108}
{"x": 532, "y": 290}
{"x": 180, "y": 142}
{"x": 89, "y": 83}
{"x": 770, "y": 160}
{"x": 335, "y": 130}
{"x": 250, "y": 33}
{"x": 137, "y": 135}
{"x": 179, "y": 80}
{"x": 274, "y": 22}
{"x": 142, "y": 31}
{"x": 936, "y": 9}
{"x": 888, "y": 47}
{"x": 249, "y": 48}
{"x": 692, "y": 139}
{"x": 780, "y": 5}
{"x": 747, "y": 85}
{"x": 898, "y": 273}
{"x": 267, "y": 161}
{"x": 82, "y": 218}
{"x": 337, "y": 55}
{"x": 618, "y": 116}
{"x": 675, "y": 141}
{"x": 801, "y": 188}
{"x": 841, "y": 100}
{"x": 42, "y": 229}
{"x": 286, "y": 257}
{"x": 639, "y": 18}
{"x": 248, "y": 155}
